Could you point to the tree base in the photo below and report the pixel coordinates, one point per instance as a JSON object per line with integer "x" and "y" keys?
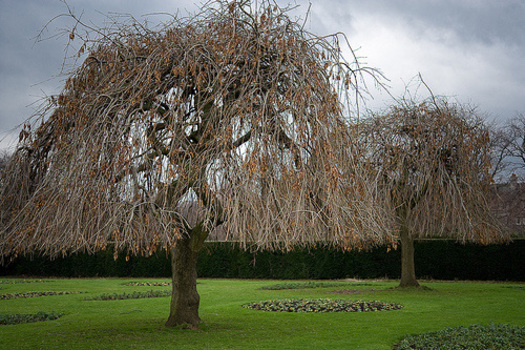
{"x": 176, "y": 322}
{"x": 418, "y": 287}
{"x": 409, "y": 284}
{"x": 184, "y": 309}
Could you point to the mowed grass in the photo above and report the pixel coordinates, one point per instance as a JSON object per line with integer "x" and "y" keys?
{"x": 138, "y": 323}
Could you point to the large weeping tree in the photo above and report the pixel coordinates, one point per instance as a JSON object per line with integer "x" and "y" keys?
{"x": 432, "y": 162}
{"x": 232, "y": 117}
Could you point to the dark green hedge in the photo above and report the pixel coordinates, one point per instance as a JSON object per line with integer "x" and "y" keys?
{"x": 434, "y": 259}
{"x": 101, "y": 264}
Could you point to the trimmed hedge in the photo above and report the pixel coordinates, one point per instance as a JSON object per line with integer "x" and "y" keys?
{"x": 101, "y": 264}
{"x": 445, "y": 260}
{"x": 434, "y": 259}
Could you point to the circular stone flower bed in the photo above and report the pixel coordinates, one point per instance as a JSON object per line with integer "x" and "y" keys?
{"x": 322, "y": 305}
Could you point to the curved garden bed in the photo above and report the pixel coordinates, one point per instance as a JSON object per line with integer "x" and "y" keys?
{"x": 474, "y": 337}
{"x": 40, "y": 316}
{"x": 32, "y": 294}
{"x": 322, "y": 305}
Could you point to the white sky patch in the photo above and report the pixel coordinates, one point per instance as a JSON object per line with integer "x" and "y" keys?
{"x": 8, "y": 141}
{"x": 449, "y": 66}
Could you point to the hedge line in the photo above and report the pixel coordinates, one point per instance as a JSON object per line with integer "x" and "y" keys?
{"x": 434, "y": 259}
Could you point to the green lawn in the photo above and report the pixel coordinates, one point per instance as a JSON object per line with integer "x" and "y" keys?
{"x": 138, "y": 323}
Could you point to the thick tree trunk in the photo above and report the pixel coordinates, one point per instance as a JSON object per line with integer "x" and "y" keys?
{"x": 184, "y": 308}
{"x": 408, "y": 269}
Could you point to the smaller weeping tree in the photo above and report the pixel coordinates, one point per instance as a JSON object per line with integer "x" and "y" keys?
{"x": 431, "y": 162}
{"x": 234, "y": 115}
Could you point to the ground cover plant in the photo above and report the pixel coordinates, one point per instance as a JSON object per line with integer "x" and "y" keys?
{"x": 134, "y": 295}
{"x": 309, "y": 284}
{"x": 138, "y": 323}
{"x": 22, "y": 281}
{"x": 28, "y": 318}
{"x": 474, "y": 337}
{"x": 322, "y": 305}
{"x": 352, "y": 291}
{"x": 33, "y": 294}
{"x": 148, "y": 284}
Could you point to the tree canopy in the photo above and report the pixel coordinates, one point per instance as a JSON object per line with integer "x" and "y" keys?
{"x": 236, "y": 112}
{"x": 432, "y": 166}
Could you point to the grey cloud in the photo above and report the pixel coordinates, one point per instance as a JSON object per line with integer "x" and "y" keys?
{"x": 31, "y": 69}
{"x": 488, "y": 22}
{"x": 484, "y": 21}
{"x": 474, "y": 23}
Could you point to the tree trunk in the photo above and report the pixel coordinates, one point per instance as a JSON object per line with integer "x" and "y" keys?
{"x": 408, "y": 269}
{"x": 184, "y": 309}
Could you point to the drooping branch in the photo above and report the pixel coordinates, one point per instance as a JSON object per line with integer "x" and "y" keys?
{"x": 432, "y": 164}
{"x": 237, "y": 111}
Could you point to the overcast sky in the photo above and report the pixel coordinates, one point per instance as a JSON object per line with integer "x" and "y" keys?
{"x": 472, "y": 50}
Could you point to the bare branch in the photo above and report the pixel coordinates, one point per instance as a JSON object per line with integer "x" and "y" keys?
{"x": 236, "y": 111}
{"x": 432, "y": 165}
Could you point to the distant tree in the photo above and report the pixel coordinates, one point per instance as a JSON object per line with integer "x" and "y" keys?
{"x": 508, "y": 148}
{"x": 431, "y": 161}
{"x": 235, "y": 113}
{"x": 499, "y": 152}
{"x": 515, "y": 137}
